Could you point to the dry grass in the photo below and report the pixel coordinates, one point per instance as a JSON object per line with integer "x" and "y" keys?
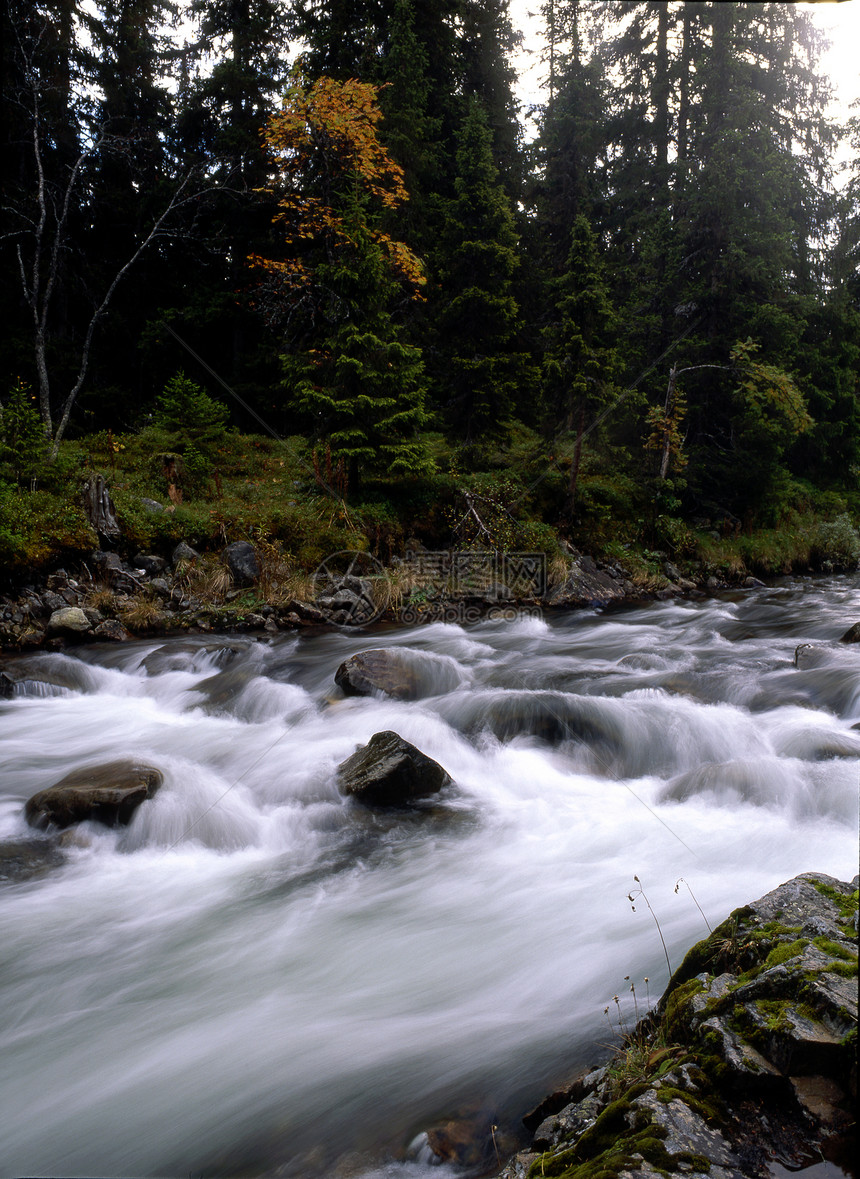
{"x": 207, "y": 579}
{"x": 143, "y": 614}
{"x": 104, "y": 600}
{"x": 280, "y": 582}
{"x": 557, "y": 570}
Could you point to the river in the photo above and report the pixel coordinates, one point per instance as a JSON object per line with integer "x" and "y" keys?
{"x": 258, "y": 976}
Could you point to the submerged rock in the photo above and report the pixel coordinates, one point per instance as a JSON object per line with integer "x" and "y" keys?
{"x": 389, "y": 771}
{"x": 28, "y": 859}
{"x": 108, "y": 794}
{"x": 377, "y": 671}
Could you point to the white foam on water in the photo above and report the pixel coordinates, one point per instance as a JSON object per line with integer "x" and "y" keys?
{"x": 258, "y": 970}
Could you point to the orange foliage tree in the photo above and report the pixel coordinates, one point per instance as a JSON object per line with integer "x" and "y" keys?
{"x": 341, "y": 279}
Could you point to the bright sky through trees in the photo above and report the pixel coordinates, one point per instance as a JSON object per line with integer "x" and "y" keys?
{"x": 839, "y": 22}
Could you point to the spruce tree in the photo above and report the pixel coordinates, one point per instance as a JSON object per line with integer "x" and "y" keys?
{"x": 483, "y": 375}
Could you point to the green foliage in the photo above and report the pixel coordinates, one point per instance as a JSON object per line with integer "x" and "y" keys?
{"x": 184, "y": 408}
{"x": 837, "y": 544}
{"x": 23, "y": 447}
{"x": 482, "y": 373}
{"x": 41, "y": 528}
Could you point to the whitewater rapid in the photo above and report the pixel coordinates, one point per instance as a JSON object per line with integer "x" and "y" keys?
{"x": 259, "y": 975}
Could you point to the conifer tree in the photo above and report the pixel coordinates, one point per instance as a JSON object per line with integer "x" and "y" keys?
{"x": 580, "y": 360}
{"x": 484, "y": 376}
{"x": 348, "y": 370}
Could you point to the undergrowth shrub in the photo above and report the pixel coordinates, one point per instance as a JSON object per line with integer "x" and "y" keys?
{"x": 836, "y": 545}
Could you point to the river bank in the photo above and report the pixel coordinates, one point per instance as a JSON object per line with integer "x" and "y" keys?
{"x": 111, "y": 600}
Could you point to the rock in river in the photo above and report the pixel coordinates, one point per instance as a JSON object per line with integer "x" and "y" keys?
{"x": 398, "y": 673}
{"x": 388, "y": 771}
{"x": 109, "y": 794}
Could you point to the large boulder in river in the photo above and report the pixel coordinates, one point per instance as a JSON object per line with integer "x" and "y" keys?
{"x": 383, "y": 671}
{"x": 108, "y": 794}
{"x": 400, "y": 674}
{"x": 388, "y": 771}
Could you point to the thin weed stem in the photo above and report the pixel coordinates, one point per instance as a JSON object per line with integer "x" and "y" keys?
{"x": 681, "y": 881}
{"x": 634, "y": 896}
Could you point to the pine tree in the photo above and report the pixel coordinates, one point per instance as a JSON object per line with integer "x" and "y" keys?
{"x": 572, "y": 131}
{"x": 222, "y": 108}
{"x": 484, "y": 376}
{"x": 486, "y": 45}
{"x": 580, "y": 360}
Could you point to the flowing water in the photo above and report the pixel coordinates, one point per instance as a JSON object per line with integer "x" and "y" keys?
{"x": 259, "y": 976}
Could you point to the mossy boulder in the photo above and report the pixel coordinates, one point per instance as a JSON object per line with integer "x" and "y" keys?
{"x": 748, "y": 1059}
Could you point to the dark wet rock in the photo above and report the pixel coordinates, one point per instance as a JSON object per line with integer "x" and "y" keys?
{"x": 349, "y": 602}
{"x": 305, "y": 612}
{"x": 28, "y": 859}
{"x": 242, "y": 561}
{"x": 749, "y": 1059}
{"x": 52, "y": 601}
{"x": 7, "y": 686}
{"x": 108, "y": 794}
{"x": 105, "y": 561}
{"x": 752, "y": 583}
{"x": 183, "y": 552}
{"x": 852, "y": 635}
{"x": 71, "y": 620}
{"x": 586, "y": 585}
{"x": 150, "y": 564}
{"x": 378, "y": 671}
{"x": 389, "y": 771}
{"x": 111, "y": 631}
{"x": 470, "y": 1142}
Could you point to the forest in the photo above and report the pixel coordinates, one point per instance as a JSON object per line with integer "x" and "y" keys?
{"x": 294, "y": 267}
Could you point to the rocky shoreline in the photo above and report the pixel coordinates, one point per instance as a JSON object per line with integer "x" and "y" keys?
{"x": 749, "y": 1061}
{"x": 108, "y": 599}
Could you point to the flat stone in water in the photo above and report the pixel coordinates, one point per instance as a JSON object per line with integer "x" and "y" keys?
{"x": 108, "y": 794}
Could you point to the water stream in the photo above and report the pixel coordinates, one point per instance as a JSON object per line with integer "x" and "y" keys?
{"x": 258, "y": 976}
